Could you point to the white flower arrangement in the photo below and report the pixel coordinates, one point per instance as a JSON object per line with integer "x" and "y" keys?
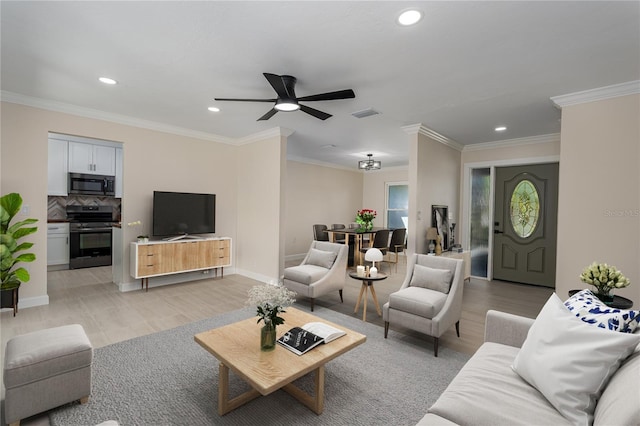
{"x": 138, "y": 223}
{"x": 270, "y": 300}
{"x": 604, "y": 277}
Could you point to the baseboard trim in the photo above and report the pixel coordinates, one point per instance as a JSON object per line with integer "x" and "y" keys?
{"x": 29, "y": 302}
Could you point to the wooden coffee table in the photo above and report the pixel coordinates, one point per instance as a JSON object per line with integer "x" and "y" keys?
{"x": 237, "y": 347}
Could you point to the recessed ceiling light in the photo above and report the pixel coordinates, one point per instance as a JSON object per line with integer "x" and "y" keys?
{"x": 409, "y": 17}
{"x": 213, "y": 109}
{"x": 500, "y": 129}
{"x": 107, "y": 80}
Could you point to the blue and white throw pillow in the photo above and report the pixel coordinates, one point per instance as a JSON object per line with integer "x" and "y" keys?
{"x": 586, "y": 306}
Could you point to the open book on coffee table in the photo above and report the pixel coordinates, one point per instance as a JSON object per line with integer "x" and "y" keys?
{"x": 300, "y": 340}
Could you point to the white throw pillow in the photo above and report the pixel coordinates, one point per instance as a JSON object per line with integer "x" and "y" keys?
{"x": 321, "y": 258}
{"x": 570, "y": 362}
{"x": 431, "y": 278}
{"x": 591, "y": 310}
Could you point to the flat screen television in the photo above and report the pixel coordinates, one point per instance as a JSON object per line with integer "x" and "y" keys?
{"x": 177, "y": 214}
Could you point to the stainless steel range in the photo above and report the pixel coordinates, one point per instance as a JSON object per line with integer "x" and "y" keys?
{"x": 90, "y": 230}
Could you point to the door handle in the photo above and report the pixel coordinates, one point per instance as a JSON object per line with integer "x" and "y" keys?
{"x": 496, "y": 231}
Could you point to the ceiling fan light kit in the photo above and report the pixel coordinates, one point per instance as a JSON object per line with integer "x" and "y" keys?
{"x": 287, "y": 101}
{"x": 286, "y": 105}
{"x": 369, "y": 163}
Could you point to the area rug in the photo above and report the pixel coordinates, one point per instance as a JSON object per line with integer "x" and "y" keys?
{"x": 166, "y": 378}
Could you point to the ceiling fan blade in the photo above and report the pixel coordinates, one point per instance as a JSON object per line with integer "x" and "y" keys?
{"x": 282, "y": 84}
{"x": 312, "y": 111}
{"x": 245, "y": 100}
{"x": 330, "y": 96}
{"x": 268, "y": 115}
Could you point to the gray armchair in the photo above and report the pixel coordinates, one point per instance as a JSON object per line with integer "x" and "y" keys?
{"x": 430, "y": 298}
{"x": 322, "y": 271}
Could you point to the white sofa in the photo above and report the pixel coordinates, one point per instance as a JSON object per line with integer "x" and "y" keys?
{"x": 488, "y": 392}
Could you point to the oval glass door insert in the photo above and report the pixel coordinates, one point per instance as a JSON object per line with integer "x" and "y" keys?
{"x": 525, "y": 208}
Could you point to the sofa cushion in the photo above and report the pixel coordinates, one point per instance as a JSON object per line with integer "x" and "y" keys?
{"x": 418, "y": 301}
{"x": 321, "y": 258}
{"x": 620, "y": 401}
{"x": 591, "y": 310}
{"x": 569, "y": 361}
{"x": 431, "y": 278}
{"x": 305, "y": 274}
{"x": 488, "y": 392}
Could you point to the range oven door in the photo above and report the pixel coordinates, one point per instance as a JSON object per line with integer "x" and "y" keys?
{"x": 89, "y": 247}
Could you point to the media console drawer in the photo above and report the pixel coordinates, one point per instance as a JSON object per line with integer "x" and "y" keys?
{"x": 158, "y": 258}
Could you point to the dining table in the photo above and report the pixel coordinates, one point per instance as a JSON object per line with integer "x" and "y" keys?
{"x": 358, "y": 234}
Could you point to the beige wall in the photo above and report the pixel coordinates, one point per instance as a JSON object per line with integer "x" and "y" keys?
{"x": 518, "y": 150}
{"x": 152, "y": 160}
{"x": 599, "y": 194}
{"x": 260, "y": 168}
{"x": 317, "y": 194}
{"x": 434, "y": 179}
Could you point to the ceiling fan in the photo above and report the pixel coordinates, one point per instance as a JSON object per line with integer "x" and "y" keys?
{"x": 287, "y": 101}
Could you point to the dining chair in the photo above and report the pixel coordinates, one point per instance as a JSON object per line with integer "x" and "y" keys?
{"x": 396, "y": 245}
{"x": 339, "y": 238}
{"x": 320, "y": 233}
{"x": 380, "y": 241}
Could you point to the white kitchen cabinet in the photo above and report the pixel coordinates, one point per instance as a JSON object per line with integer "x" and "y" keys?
{"x": 57, "y": 243}
{"x": 119, "y": 173}
{"x": 58, "y": 167}
{"x": 92, "y": 159}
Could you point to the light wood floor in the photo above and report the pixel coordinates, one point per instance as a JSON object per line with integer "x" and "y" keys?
{"x": 88, "y": 297}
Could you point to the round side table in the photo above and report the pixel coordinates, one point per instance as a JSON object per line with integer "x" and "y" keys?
{"x": 366, "y": 283}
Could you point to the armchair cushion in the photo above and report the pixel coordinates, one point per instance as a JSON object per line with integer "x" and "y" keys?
{"x": 418, "y": 301}
{"x": 305, "y": 274}
{"x": 431, "y": 278}
{"x": 321, "y": 258}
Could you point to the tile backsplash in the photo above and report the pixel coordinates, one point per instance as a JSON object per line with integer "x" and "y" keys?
{"x": 57, "y": 206}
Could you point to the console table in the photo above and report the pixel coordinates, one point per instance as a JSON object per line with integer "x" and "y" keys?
{"x": 157, "y": 258}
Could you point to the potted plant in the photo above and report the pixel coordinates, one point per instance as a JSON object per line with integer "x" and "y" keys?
{"x": 11, "y": 274}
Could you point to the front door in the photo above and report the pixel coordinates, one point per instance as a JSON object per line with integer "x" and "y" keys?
{"x": 525, "y": 224}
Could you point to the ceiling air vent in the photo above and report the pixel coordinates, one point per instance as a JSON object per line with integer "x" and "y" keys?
{"x": 365, "y": 113}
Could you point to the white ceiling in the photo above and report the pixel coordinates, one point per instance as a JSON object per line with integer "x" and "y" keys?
{"x": 464, "y": 69}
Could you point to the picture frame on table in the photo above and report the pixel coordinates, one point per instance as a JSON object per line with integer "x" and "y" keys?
{"x": 440, "y": 221}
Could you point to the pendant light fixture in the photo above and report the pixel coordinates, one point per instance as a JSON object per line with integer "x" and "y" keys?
{"x": 369, "y": 164}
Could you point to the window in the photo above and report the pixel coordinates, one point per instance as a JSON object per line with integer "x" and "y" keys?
{"x": 397, "y": 212}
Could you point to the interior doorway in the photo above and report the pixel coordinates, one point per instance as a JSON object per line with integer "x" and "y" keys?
{"x": 525, "y": 224}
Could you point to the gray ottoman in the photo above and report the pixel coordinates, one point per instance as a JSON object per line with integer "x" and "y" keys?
{"x": 46, "y": 369}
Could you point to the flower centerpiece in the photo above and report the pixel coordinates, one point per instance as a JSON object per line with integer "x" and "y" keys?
{"x": 365, "y": 217}
{"x": 142, "y": 238}
{"x": 270, "y": 301}
{"x": 604, "y": 278}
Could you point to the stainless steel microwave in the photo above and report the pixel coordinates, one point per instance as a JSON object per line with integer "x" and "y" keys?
{"x": 84, "y": 184}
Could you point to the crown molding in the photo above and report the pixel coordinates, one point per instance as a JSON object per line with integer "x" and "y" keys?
{"x": 265, "y": 134}
{"x": 607, "y": 92}
{"x": 56, "y": 106}
{"x": 418, "y": 128}
{"x": 313, "y": 162}
{"x": 518, "y": 142}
